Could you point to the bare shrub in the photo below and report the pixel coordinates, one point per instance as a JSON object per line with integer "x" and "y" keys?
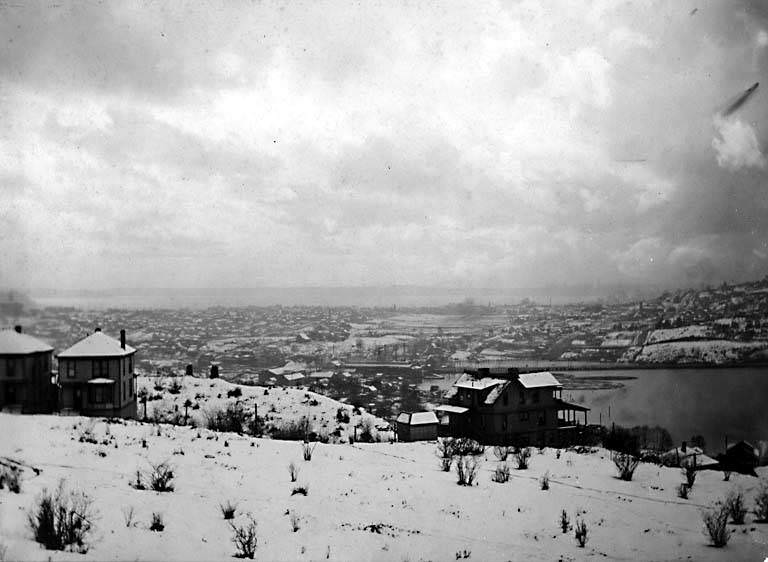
{"x": 682, "y": 490}
{"x": 445, "y": 448}
{"x": 445, "y": 464}
{"x": 502, "y": 452}
{"x": 737, "y": 509}
{"x": 716, "y": 524}
{"x": 157, "y": 524}
{"x": 626, "y": 465}
{"x": 10, "y": 477}
{"x": 295, "y": 522}
{"x": 564, "y": 522}
{"x": 291, "y": 430}
{"x": 464, "y": 446}
{"x": 228, "y": 509}
{"x": 521, "y": 458}
{"x": 689, "y": 472}
{"x": 161, "y": 477}
{"x": 175, "y": 387}
{"x": 308, "y": 449}
{"x": 293, "y": 470}
{"x": 581, "y": 532}
{"x": 303, "y": 490}
{"x": 128, "y": 513}
{"x": 726, "y": 475}
{"x": 761, "y": 503}
{"x": 232, "y": 418}
{"x": 244, "y": 537}
{"x": 466, "y": 470}
{"x": 62, "y": 520}
{"x": 544, "y": 481}
{"x": 501, "y": 474}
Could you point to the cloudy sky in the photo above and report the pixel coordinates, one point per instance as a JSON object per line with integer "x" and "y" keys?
{"x": 518, "y": 144}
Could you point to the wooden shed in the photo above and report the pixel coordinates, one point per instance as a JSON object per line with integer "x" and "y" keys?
{"x": 417, "y": 426}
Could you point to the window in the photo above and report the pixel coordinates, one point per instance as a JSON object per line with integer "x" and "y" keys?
{"x": 506, "y": 398}
{"x": 10, "y": 367}
{"x": 97, "y": 394}
{"x": 70, "y": 368}
{"x": 523, "y": 416}
{"x": 130, "y": 365}
{"x": 535, "y": 396}
{"x": 522, "y": 396}
{"x": 100, "y": 369}
{"x": 543, "y": 417}
{"x": 504, "y": 424}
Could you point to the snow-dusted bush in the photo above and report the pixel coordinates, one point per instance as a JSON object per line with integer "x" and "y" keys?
{"x": 737, "y": 509}
{"x": 761, "y": 503}
{"x": 464, "y": 446}
{"x": 726, "y": 475}
{"x": 689, "y": 472}
{"x": 308, "y": 450}
{"x": 293, "y": 470}
{"x": 682, "y": 490}
{"x": 581, "y": 532}
{"x": 10, "y": 477}
{"x": 228, "y": 509}
{"x": 62, "y": 520}
{"x": 544, "y": 481}
{"x": 159, "y": 478}
{"x": 502, "y": 452}
{"x": 716, "y": 524}
{"x": 445, "y": 464}
{"x": 445, "y": 448}
{"x": 157, "y": 524}
{"x": 564, "y": 521}
{"x": 128, "y": 513}
{"x": 303, "y": 490}
{"x": 291, "y": 430}
{"x": 521, "y": 458}
{"x": 232, "y": 418}
{"x": 466, "y": 470}
{"x": 244, "y": 537}
{"x": 295, "y": 522}
{"x": 501, "y": 474}
{"x": 626, "y": 465}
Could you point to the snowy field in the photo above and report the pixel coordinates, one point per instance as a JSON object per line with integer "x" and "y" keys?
{"x": 379, "y": 501}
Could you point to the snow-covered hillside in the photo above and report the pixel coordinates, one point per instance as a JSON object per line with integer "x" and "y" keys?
{"x": 376, "y": 501}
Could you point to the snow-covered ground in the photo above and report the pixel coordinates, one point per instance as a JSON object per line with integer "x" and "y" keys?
{"x": 366, "y": 502}
{"x": 699, "y": 351}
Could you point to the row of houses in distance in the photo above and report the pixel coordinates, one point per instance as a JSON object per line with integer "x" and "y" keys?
{"x": 95, "y": 376}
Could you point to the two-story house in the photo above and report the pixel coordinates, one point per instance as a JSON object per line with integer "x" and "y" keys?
{"x": 27, "y": 383}
{"x": 510, "y": 408}
{"x": 96, "y": 377}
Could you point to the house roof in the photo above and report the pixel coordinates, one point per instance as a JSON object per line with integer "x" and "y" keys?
{"x": 467, "y": 381}
{"x": 293, "y": 376}
{"x": 98, "y": 344}
{"x": 538, "y": 380}
{"x": 101, "y": 381}
{"x": 452, "y": 409}
{"x": 14, "y": 343}
{"x": 570, "y": 406}
{"x": 494, "y": 394}
{"x": 417, "y": 418}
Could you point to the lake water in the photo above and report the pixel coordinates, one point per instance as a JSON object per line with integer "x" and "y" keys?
{"x": 710, "y": 402}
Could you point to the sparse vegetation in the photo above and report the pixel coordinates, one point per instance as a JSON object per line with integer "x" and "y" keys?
{"x": 10, "y": 477}
{"x": 626, "y": 465}
{"x": 501, "y": 474}
{"x": 244, "y": 537}
{"x": 445, "y": 448}
{"x": 128, "y": 513}
{"x": 291, "y": 430}
{"x": 466, "y": 470}
{"x": 737, "y": 509}
{"x": 502, "y": 452}
{"x": 761, "y": 503}
{"x": 232, "y": 418}
{"x": 445, "y": 464}
{"x": 158, "y": 478}
{"x": 581, "y": 532}
{"x": 464, "y": 446}
{"x": 175, "y": 387}
{"x": 689, "y": 472}
{"x": 228, "y": 509}
{"x": 682, "y": 490}
{"x": 62, "y": 520}
{"x": 308, "y": 450}
{"x": 236, "y": 392}
{"x": 157, "y": 524}
{"x": 293, "y": 470}
{"x": 564, "y": 522}
{"x": 521, "y": 457}
{"x": 726, "y": 475}
{"x": 544, "y": 481}
{"x": 716, "y": 524}
{"x": 303, "y": 490}
{"x": 295, "y": 522}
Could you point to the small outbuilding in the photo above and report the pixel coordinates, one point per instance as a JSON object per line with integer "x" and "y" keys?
{"x": 740, "y": 457}
{"x": 417, "y": 426}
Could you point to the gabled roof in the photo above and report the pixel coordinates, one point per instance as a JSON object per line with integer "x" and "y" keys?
{"x": 14, "y": 343}
{"x": 98, "y": 344}
{"x": 467, "y": 381}
{"x": 494, "y": 394}
{"x": 417, "y": 418}
{"x": 538, "y": 380}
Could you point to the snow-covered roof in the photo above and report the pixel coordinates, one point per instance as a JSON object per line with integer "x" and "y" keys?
{"x": 538, "y": 380}
{"x": 452, "y": 409}
{"x": 101, "y": 381}
{"x": 98, "y": 344}
{"x": 294, "y": 376}
{"x": 417, "y": 418}
{"x": 494, "y": 394}
{"x": 14, "y": 343}
{"x": 467, "y": 381}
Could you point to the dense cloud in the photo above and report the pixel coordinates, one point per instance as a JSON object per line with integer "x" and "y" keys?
{"x": 511, "y": 144}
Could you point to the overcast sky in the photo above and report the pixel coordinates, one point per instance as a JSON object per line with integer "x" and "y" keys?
{"x": 519, "y": 144}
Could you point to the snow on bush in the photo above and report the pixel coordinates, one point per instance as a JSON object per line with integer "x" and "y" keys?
{"x": 716, "y": 524}
{"x": 244, "y": 537}
{"x": 62, "y": 520}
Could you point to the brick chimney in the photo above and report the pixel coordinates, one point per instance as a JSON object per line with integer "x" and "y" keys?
{"x": 684, "y": 447}
{"x": 17, "y": 327}
{"x": 122, "y": 339}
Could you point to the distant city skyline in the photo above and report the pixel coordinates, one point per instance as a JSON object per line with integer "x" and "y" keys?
{"x": 332, "y": 144}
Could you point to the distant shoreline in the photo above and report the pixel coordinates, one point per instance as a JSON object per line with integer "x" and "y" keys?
{"x": 570, "y": 367}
